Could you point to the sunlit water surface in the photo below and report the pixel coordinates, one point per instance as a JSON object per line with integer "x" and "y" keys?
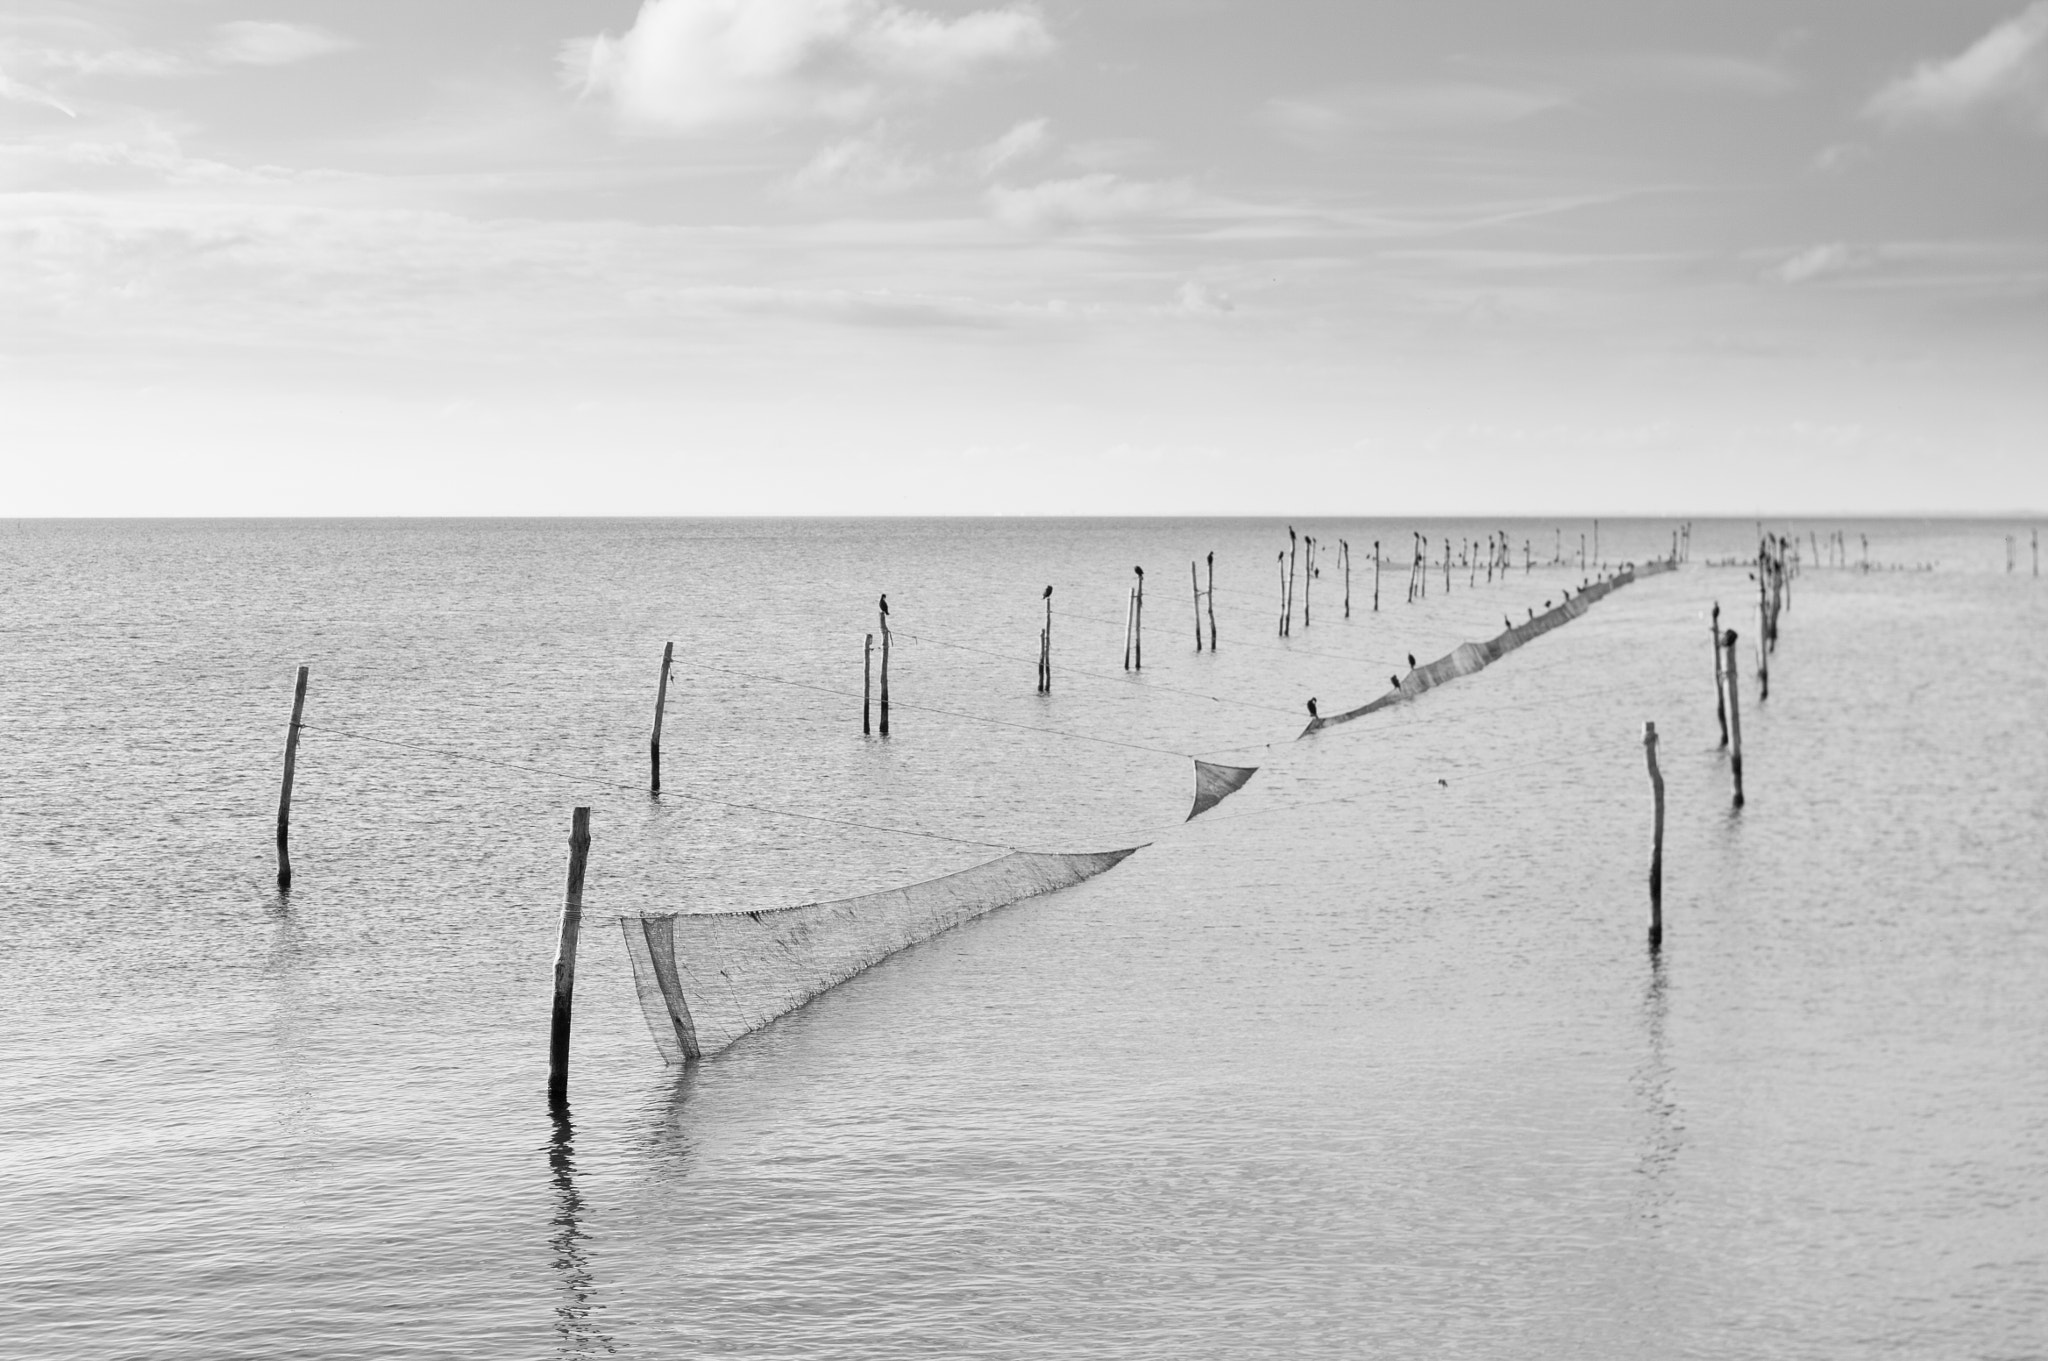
{"x": 1372, "y": 1060}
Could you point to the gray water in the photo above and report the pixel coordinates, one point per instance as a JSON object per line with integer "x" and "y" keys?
{"x": 1371, "y": 1060}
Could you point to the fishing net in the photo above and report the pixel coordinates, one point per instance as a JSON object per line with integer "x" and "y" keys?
{"x": 707, "y": 978}
{"x": 1214, "y": 784}
{"x": 1466, "y": 658}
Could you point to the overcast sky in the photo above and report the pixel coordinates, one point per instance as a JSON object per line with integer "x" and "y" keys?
{"x": 706, "y": 256}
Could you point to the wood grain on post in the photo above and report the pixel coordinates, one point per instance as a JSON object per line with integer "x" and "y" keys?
{"x": 885, "y": 675}
{"x": 1732, "y": 685}
{"x": 565, "y": 961}
{"x": 284, "y": 793}
{"x": 867, "y": 684}
{"x": 1656, "y": 838}
{"x": 1138, "y": 621}
{"x": 668, "y": 654}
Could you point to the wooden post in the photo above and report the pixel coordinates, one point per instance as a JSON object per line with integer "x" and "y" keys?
{"x": 1656, "y": 839}
{"x": 668, "y": 655}
{"x": 1733, "y": 682}
{"x": 1138, "y": 622}
{"x": 1308, "y": 577}
{"x": 1447, "y": 566}
{"x": 1292, "y": 545}
{"x": 867, "y": 685}
{"x": 1130, "y": 621}
{"x": 1283, "y": 593}
{"x": 1375, "y": 576}
{"x": 1212, "y": 602}
{"x": 1344, "y": 556}
{"x": 1047, "y": 637}
{"x": 284, "y": 793}
{"x": 1763, "y": 633}
{"x": 1720, "y": 700}
{"x": 885, "y": 675}
{"x": 565, "y": 961}
{"x": 1195, "y": 585}
{"x": 1528, "y": 558}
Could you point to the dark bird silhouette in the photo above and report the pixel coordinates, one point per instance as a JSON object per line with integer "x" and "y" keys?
{"x": 1443, "y": 784}
{"x": 1546, "y": 604}
{"x": 1311, "y": 706}
{"x": 1411, "y": 661}
{"x": 885, "y": 602}
{"x": 1506, "y": 622}
{"x": 1048, "y": 593}
{"x": 1532, "y": 613}
{"x": 1139, "y": 570}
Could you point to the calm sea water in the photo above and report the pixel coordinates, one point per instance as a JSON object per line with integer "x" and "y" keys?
{"x": 1369, "y": 1061}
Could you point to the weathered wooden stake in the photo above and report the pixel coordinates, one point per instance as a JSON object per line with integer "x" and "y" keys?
{"x": 867, "y": 685}
{"x": 1283, "y": 593}
{"x": 1763, "y": 634}
{"x": 1046, "y": 640}
{"x": 284, "y": 793}
{"x": 565, "y": 961}
{"x": 1212, "y": 602}
{"x": 1656, "y": 839}
{"x": 1344, "y": 556}
{"x": 885, "y": 675}
{"x": 1195, "y": 585}
{"x": 1733, "y": 681}
{"x": 668, "y": 655}
{"x": 1720, "y": 700}
{"x": 1287, "y": 614}
{"x": 1308, "y": 577}
{"x": 1375, "y": 576}
{"x": 1447, "y": 566}
{"x": 1130, "y": 623}
{"x": 1138, "y": 623}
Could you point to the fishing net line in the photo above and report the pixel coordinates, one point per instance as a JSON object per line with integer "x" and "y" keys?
{"x": 704, "y": 979}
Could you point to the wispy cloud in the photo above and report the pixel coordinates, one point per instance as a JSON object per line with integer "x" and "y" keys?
{"x": 1449, "y": 105}
{"x": 2005, "y": 70}
{"x": 242, "y": 43}
{"x": 694, "y": 65}
{"x": 1100, "y": 197}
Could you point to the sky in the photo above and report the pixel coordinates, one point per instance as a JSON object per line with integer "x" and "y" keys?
{"x": 694, "y": 257}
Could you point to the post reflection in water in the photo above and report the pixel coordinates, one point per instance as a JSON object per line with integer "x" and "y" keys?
{"x": 1663, "y": 1131}
{"x": 575, "y": 1323}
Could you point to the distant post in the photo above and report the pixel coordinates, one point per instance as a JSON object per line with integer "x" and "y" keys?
{"x": 1195, "y": 587}
{"x": 1344, "y": 554}
{"x": 1732, "y": 678}
{"x": 284, "y": 793}
{"x": 1045, "y": 643}
{"x": 1656, "y": 838}
{"x": 668, "y": 654}
{"x": 867, "y": 685}
{"x": 885, "y": 672}
{"x": 1138, "y": 621}
{"x": 1375, "y": 576}
{"x": 565, "y": 961}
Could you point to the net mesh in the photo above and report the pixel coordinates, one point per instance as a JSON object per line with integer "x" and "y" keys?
{"x": 1466, "y": 658}
{"x": 1214, "y": 784}
{"x": 706, "y": 978}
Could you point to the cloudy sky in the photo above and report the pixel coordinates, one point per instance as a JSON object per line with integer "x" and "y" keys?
{"x": 1311, "y": 256}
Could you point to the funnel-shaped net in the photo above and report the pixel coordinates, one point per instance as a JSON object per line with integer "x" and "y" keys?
{"x": 1214, "y": 784}
{"x": 707, "y": 978}
{"x": 1469, "y": 657}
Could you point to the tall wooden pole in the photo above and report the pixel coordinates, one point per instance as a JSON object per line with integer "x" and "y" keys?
{"x": 885, "y": 675}
{"x": 1130, "y": 623}
{"x": 1195, "y": 586}
{"x": 1283, "y": 593}
{"x": 1308, "y": 577}
{"x": 1447, "y": 566}
{"x": 668, "y": 656}
{"x": 1047, "y": 637}
{"x": 1733, "y": 682}
{"x": 867, "y": 685}
{"x": 1212, "y": 602}
{"x": 1287, "y": 612}
{"x": 1720, "y": 693}
{"x": 1656, "y": 838}
{"x": 1344, "y": 555}
{"x": 565, "y": 961}
{"x": 1138, "y": 622}
{"x": 1763, "y": 632}
{"x": 1375, "y": 576}
{"x": 284, "y": 793}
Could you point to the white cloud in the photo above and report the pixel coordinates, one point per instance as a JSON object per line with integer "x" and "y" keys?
{"x": 1022, "y": 142}
{"x": 1196, "y": 299}
{"x": 866, "y": 163}
{"x": 691, "y": 65}
{"x": 1818, "y": 262}
{"x": 1085, "y": 198}
{"x": 29, "y": 94}
{"x": 2005, "y": 69}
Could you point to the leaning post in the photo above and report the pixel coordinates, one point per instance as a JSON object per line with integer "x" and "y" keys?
{"x": 284, "y": 793}
{"x": 1720, "y": 691}
{"x": 1656, "y": 838}
{"x": 1732, "y": 680}
{"x": 1195, "y": 586}
{"x": 668, "y": 656}
{"x": 565, "y": 961}
{"x": 1212, "y": 602}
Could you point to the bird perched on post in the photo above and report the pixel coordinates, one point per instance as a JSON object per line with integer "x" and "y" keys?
{"x": 1048, "y": 593}
{"x": 1411, "y": 661}
{"x": 1394, "y": 681}
{"x": 1311, "y": 706}
{"x": 884, "y": 603}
